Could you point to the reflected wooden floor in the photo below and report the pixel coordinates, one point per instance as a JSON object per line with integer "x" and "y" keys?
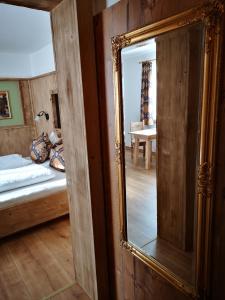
{"x": 36, "y": 263}
{"x": 141, "y": 201}
{"x": 142, "y": 219}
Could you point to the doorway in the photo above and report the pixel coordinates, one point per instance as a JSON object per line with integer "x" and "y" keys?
{"x": 35, "y": 233}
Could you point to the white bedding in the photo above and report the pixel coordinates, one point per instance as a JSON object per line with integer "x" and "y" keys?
{"x": 35, "y": 191}
{"x": 13, "y": 161}
{"x": 20, "y": 177}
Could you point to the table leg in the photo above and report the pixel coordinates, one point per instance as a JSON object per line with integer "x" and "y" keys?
{"x": 151, "y": 151}
{"x": 148, "y": 155}
{"x": 136, "y": 150}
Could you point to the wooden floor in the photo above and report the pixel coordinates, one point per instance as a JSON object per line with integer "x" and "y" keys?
{"x": 38, "y": 264}
{"x": 141, "y": 193}
{"x": 141, "y": 201}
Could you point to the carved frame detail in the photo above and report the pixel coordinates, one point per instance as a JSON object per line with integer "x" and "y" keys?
{"x": 210, "y": 15}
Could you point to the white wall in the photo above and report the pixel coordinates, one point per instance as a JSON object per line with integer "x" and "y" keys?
{"x": 25, "y": 42}
{"x": 42, "y": 61}
{"x": 111, "y": 2}
{"x": 13, "y": 65}
{"x": 132, "y": 70}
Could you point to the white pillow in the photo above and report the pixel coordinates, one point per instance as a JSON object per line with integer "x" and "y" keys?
{"x": 13, "y": 161}
{"x": 54, "y": 139}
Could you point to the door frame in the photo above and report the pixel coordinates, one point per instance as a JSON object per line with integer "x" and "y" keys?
{"x": 97, "y": 287}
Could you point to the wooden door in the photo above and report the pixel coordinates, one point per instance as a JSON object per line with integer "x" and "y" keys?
{"x": 131, "y": 278}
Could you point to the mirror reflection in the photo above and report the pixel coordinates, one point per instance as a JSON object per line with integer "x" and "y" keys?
{"x": 161, "y": 87}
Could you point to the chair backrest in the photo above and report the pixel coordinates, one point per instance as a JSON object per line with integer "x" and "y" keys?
{"x": 136, "y": 126}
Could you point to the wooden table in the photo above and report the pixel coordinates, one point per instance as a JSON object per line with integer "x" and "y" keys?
{"x": 147, "y": 135}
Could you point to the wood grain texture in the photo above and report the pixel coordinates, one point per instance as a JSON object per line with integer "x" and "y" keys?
{"x": 178, "y": 94}
{"x": 172, "y": 50}
{"x": 94, "y": 147}
{"x": 37, "y": 262}
{"x": 48, "y": 5}
{"x": 16, "y": 139}
{"x": 141, "y": 192}
{"x": 76, "y": 74}
{"x": 74, "y": 292}
{"x": 40, "y": 90}
{"x": 28, "y": 214}
{"x": 26, "y": 102}
{"x": 218, "y": 243}
{"x": 41, "y": 4}
{"x": 123, "y": 17}
{"x": 98, "y": 6}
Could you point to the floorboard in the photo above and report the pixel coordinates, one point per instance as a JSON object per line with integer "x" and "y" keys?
{"x": 141, "y": 191}
{"x": 73, "y": 292}
{"x": 37, "y": 263}
{"x": 141, "y": 201}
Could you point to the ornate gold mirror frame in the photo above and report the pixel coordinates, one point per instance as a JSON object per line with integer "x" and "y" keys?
{"x": 210, "y": 15}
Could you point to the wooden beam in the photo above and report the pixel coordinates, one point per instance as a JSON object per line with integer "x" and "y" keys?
{"x": 98, "y": 6}
{"x": 47, "y": 5}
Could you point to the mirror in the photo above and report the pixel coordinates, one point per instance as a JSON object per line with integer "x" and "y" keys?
{"x": 164, "y": 102}
{"x": 161, "y": 85}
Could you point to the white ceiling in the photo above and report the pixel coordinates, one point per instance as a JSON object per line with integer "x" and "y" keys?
{"x": 23, "y": 30}
{"x": 141, "y": 48}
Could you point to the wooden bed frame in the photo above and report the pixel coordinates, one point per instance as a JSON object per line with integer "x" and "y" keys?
{"x": 28, "y": 214}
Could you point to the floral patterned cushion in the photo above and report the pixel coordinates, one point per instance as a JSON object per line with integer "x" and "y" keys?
{"x": 57, "y": 158}
{"x": 40, "y": 148}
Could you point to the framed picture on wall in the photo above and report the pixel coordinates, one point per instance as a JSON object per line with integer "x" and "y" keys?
{"x": 5, "y": 112}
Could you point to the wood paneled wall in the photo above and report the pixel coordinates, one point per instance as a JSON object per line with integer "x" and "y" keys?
{"x": 40, "y": 90}
{"x": 178, "y": 102}
{"x": 17, "y": 139}
{"x": 131, "y": 279}
{"x": 35, "y": 96}
{"x": 98, "y": 6}
{"x": 218, "y": 242}
{"x": 173, "y": 52}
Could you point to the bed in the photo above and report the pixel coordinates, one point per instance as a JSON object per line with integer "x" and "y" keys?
{"x": 30, "y": 205}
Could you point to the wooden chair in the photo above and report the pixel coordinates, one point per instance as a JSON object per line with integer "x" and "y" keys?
{"x": 134, "y": 126}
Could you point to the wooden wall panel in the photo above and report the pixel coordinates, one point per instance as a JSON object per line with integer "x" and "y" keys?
{"x": 218, "y": 242}
{"x": 26, "y": 102}
{"x": 35, "y": 96}
{"x": 15, "y": 140}
{"x": 173, "y": 52}
{"x": 178, "y": 94}
{"x": 129, "y": 272}
{"x": 76, "y": 73}
{"x": 94, "y": 149}
{"x": 98, "y": 6}
{"x": 112, "y": 21}
{"x": 40, "y": 90}
{"x": 70, "y": 90}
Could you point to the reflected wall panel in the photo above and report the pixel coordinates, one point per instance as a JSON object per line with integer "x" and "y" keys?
{"x": 178, "y": 82}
